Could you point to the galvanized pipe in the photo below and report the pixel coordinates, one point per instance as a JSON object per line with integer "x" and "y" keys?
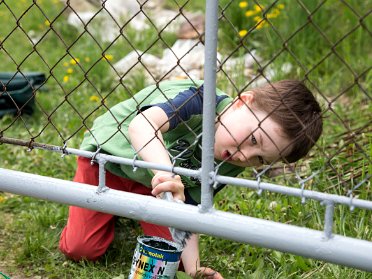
{"x": 286, "y": 238}
{"x": 252, "y": 184}
{"x": 209, "y": 103}
{"x": 132, "y": 162}
{"x": 291, "y": 191}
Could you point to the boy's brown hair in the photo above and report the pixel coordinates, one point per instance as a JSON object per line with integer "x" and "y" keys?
{"x": 291, "y": 104}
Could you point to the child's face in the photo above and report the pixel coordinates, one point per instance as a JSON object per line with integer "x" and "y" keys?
{"x": 239, "y": 142}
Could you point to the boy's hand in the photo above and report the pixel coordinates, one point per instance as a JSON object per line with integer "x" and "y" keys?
{"x": 167, "y": 182}
{"x": 207, "y": 273}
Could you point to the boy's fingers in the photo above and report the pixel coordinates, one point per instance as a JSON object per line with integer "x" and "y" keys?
{"x": 168, "y": 182}
{"x": 158, "y": 178}
{"x": 208, "y": 273}
{"x": 167, "y": 186}
{"x": 176, "y": 189}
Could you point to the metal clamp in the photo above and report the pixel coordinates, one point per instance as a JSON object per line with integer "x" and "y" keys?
{"x": 214, "y": 178}
{"x": 350, "y": 194}
{"x": 134, "y": 163}
{"x": 64, "y": 151}
{"x": 94, "y": 160}
{"x": 258, "y": 177}
{"x": 30, "y": 147}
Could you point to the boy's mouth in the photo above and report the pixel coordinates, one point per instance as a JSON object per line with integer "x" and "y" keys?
{"x": 226, "y": 155}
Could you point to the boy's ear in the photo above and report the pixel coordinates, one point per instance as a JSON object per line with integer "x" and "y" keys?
{"x": 245, "y": 99}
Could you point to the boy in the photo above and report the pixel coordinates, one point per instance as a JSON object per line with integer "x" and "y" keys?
{"x": 162, "y": 124}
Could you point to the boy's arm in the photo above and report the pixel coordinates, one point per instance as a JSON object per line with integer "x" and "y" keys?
{"x": 145, "y": 132}
{"x": 191, "y": 261}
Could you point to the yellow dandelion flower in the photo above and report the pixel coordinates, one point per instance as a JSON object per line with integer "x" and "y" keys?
{"x": 108, "y": 57}
{"x": 281, "y": 6}
{"x": 65, "y": 79}
{"x": 242, "y": 33}
{"x": 258, "y": 8}
{"x": 273, "y": 14}
{"x": 2, "y": 199}
{"x": 250, "y": 13}
{"x": 257, "y": 18}
{"x": 261, "y": 25}
{"x": 65, "y": 64}
{"x": 87, "y": 59}
{"x": 243, "y": 4}
{"x": 74, "y": 61}
{"x": 94, "y": 98}
{"x": 70, "y": 70}
{"x": 47, "y": 22}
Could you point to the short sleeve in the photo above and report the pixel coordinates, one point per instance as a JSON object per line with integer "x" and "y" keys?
{"x": 184, "y": 105}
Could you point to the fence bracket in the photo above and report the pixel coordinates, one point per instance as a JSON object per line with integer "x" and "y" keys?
{"x": 328, "y": 219}
{"x": 101, "y": 176}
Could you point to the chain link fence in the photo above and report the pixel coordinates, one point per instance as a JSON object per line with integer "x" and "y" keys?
{"x": 65, "y": 64}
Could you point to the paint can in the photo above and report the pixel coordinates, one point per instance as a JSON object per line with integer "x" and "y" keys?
{"x": 155, "y": 258}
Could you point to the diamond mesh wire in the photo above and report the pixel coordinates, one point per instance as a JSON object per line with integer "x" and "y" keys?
{"x": 94, "y": 59}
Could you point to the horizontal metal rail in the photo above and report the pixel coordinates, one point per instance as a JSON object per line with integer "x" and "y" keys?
{"x": 296, "y": 192}
{"x": 305, "y": 242}
{"x": 253, "y": 184}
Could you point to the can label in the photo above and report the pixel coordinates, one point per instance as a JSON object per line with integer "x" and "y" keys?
{"x": 155, "y": 258}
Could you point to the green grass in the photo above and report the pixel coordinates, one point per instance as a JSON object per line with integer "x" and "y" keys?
{"x": 302, "y": 36}
{"x": 30, "y": 228}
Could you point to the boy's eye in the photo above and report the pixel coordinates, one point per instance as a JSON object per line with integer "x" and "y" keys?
{"x": 254, "y": 141}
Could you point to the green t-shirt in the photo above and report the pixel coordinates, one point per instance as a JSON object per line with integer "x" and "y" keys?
{"x": 110, "y": 133}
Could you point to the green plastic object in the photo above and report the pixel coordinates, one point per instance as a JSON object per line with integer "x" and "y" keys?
{"x": 18, "y": 90}
{"x": 2, "y": 275}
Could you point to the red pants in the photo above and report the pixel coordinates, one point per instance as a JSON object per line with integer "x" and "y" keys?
{"x": 88, "y": 233}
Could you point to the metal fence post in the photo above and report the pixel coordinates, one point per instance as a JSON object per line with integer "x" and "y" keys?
{"x": 209, "y": 103}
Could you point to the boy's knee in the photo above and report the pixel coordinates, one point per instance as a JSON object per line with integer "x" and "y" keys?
{"x": 80, "y": 250}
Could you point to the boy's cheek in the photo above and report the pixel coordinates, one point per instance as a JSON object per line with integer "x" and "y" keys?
{"x": 217, "y": 153}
